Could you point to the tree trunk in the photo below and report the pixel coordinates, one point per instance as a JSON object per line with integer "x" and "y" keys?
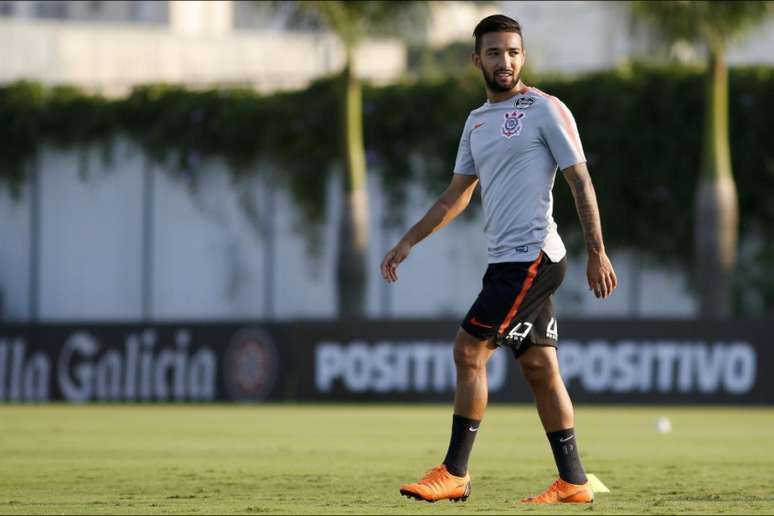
{"x": 717, "y": 213}
{"x": 353, "y": 225}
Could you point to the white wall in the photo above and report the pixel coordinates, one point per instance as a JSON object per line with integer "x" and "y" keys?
{"x": 112, "y": 58}
{"x": 90, "y": 236}
{"x": 209, "y": 259}
{"x": 15, "y": 233}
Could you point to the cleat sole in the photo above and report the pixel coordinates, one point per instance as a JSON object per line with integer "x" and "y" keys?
{"x": 415, "y": 496}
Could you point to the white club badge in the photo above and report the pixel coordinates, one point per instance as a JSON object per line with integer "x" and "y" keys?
{"x": 512, "y": 123}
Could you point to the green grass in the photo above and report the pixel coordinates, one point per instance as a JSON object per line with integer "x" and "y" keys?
{"x": 351, "y": 459}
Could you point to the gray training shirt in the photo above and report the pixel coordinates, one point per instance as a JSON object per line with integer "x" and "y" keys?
{"x": 514, "y": 147}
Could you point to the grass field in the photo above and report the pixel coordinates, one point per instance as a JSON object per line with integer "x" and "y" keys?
{"x": 351, "y": 459}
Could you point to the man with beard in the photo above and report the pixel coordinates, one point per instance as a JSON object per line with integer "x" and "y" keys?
{"x": 512, "y": 146}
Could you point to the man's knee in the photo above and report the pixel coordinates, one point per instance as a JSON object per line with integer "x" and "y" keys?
{"x": 470, "y": 353}
{"x": 539, "y": 367}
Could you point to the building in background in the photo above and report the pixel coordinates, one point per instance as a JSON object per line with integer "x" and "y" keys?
{"x": 142, "y": 12}
{"x": 109, "y": 47}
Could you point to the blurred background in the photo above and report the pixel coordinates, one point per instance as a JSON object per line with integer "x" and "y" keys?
{"x": 173, "y": 168}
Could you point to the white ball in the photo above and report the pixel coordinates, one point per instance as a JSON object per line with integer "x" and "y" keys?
{"x": 663, "y": 425}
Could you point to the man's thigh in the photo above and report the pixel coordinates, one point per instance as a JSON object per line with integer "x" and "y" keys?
{"x": 502, "y": 288}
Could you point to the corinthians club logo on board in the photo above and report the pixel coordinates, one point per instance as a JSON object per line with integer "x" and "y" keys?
{"x": 512, "y": 124}
{"x": 250, "y": 365}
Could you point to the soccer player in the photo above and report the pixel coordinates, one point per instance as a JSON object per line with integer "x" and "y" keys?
{"x": 512, "y": 145}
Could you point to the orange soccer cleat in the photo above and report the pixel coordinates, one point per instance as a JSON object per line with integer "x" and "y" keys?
{"x": 438, "y": 484}
{"x": 564, "y": 492}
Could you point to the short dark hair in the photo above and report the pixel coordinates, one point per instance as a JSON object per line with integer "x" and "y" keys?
{"x": 495, "y": 23}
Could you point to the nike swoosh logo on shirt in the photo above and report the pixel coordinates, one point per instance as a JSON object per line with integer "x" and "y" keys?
{"x": 478, "y": 125}
{"x": 475, "y": 322}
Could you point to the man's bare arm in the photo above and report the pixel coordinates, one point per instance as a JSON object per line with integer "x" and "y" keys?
{"x": 451, "y": 203}
{"x": 600, "y": 274}
{"x": 582, "y": 188}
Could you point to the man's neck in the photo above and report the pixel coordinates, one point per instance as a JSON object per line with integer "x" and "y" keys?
{"x": 500, "y": 96}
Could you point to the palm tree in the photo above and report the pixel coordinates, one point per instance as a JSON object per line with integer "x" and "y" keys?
{"x": 712, "y": 25}
{"x": 352, "y": 21}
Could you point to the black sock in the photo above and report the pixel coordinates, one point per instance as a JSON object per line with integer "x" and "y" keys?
{"x": 463, "y": 434}
{"x": 566, "y": 456}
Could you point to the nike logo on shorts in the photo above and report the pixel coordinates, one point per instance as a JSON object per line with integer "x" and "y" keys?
{"x": 475, "y": 322}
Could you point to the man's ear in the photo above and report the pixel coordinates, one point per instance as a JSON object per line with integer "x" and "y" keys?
{"x": 476, "y": 59}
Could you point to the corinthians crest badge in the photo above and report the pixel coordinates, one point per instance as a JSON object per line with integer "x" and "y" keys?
{"x": 512, "y": 123}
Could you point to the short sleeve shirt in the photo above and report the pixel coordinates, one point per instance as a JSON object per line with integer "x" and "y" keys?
{"x": 514, "y": 147}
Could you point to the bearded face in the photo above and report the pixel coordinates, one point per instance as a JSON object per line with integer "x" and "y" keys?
{"x": 501, "y": 79}
{"x": 500, "y": 59}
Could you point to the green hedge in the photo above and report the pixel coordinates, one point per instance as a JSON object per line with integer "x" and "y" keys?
{"x": 641, "y": 129}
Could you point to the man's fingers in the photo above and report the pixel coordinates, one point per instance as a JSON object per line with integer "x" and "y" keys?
{"x": 392, "y": 268}
{"x": 601, "y": 287}
{"x": 602, "y": 279}
{"x": 388, "y": 266}
{"x": 391, "y": 260}
{"x": 609, "y": 283}
{"x": 383, "y": 267}
{"x": 593, "y": 286}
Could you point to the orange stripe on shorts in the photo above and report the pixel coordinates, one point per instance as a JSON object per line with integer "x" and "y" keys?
{"x": 531, "y": 273}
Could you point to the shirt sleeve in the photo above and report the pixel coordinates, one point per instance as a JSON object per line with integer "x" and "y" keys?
{"x": 464, "y": 163}
{"x": 561, "y": 135}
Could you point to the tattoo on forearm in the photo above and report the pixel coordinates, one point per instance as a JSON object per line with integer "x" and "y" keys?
{"x": 588, "y": 212}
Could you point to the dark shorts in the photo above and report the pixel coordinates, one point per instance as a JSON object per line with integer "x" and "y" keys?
{"x": 515, "y": 307}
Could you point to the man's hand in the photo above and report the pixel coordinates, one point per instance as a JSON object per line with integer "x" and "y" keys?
{"x": 392, "y": 259}
{"x": 600, "y": 274}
